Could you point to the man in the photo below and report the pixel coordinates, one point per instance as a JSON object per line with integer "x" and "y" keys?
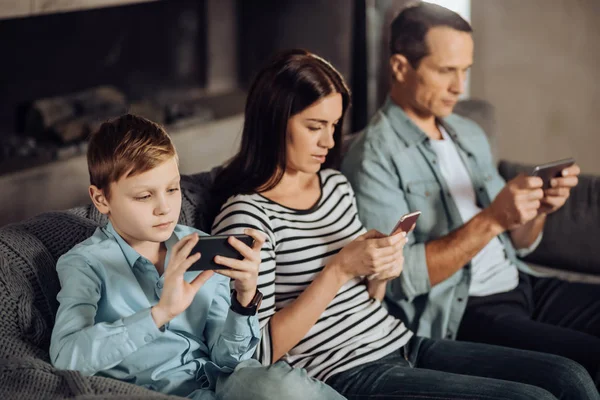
{"x": 462, "y": 278}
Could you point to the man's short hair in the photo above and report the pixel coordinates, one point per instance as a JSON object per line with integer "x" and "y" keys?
{"x": 127, "y": 145}
{"x": 410, "y": 27}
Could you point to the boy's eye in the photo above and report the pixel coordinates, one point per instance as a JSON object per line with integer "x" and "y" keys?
{"x": 141, "y": 198}
{"x": 172, "y": 190}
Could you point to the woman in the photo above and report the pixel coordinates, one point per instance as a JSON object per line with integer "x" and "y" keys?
{"x": 323, "y": 277}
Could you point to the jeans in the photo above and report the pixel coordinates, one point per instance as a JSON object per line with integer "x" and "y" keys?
{"x": 279, "y": 381}
{"x": 446, "y": 369}
{"x": 541, "y": 314}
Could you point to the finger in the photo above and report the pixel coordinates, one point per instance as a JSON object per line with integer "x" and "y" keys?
{"x": 557, "y": 192}
{"x": 232, "y": 274}
{"x": 243, "y": 249}
{"x": 372, "y": 234}
{"x": 554, "y": 202}
{"x": 572, "y": 170}
{"x": 258, "y": 236}
{"x": 566, "y": 182}
{"x": 186, "y": 249}
{"x": 388, "y": 241}
{"x": 184, "y": 240}
{"x": 239, "y": 265}
{"x": 185, "y": 264}
{"x": 201, "y": 279}
{"x": 527, "y": 182}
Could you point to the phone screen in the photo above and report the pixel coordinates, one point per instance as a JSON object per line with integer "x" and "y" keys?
{"x": 211, "y": 246}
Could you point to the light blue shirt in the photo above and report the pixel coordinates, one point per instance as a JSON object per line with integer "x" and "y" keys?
{"x": 104, "y": 326}
{"x": 393, "y": 169}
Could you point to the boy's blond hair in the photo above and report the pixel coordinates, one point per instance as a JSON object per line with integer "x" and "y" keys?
{"x": 127, "y": 145}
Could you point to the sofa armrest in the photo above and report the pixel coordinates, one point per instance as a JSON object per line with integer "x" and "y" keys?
{"x": 571, "y": 234}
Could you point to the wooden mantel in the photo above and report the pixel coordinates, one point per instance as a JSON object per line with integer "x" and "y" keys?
{"x": 26, "y": 8}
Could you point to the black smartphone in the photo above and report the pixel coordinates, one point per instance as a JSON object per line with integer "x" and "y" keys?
{"x": 211, "y": 246}
{"x": 551, "y": 170}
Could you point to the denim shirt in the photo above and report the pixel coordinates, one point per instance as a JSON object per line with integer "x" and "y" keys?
{"x": 104, "y": 326}
{"x": 393, "y": 170}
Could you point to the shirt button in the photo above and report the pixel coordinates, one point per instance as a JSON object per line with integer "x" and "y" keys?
{"x": 147, "y": 338}
{"x": 449, "y": 335}
{"x": 433, "y": 161}
{"x": 459, "y": 299}
{"x": 159, "y": 284}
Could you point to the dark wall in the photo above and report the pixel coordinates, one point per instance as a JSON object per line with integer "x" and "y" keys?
{"x": 333, "y": 29}
{"x": 138, "y": 48}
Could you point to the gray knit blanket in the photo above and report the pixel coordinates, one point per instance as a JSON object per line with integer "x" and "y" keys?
{"x": 28, "y": 288}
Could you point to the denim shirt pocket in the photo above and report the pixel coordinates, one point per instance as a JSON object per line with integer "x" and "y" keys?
{"x": 425, "y": 196}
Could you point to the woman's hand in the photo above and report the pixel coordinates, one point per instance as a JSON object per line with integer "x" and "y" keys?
{"x": 372, "y": 253}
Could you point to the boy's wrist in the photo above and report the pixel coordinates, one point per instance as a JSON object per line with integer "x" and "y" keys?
{"x": 159, "y": 316}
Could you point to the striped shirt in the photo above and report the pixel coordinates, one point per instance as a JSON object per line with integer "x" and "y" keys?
{"x": 354, "y": 329}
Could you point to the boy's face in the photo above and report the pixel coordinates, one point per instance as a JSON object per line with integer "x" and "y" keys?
{"x": 143, "y": 207}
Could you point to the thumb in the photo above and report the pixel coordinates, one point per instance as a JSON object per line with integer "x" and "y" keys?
{"x": 372, "y": 234}
{"x": 201, "y": 279}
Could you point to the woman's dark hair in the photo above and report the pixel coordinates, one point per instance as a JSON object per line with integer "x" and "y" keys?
{"x": 291, "y": 82}
{"x": 410, "y": 27}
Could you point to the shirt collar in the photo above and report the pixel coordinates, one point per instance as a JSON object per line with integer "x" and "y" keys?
{"x": 399, "y": 121}
{"x": 131, "y": 255}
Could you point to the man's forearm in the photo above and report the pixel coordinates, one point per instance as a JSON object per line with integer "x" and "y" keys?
{"x": 450, "y": 253}
{"x": 524, "y": 236}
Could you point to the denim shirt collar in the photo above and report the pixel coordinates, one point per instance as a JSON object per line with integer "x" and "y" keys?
{"x": 131, "y": 255}
{"x": 414, "y": 135}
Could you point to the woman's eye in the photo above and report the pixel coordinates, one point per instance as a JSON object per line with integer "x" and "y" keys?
{"x": 314, "y": 128}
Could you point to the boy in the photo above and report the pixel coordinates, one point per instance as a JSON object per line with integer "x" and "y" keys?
{"x": 128, "y": 307}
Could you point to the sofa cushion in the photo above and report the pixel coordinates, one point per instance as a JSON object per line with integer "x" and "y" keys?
{"x": 571, "y": 234}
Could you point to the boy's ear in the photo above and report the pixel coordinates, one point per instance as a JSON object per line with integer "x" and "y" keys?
{"x": 99, "y": 200}
{"x": 399, "y": 66}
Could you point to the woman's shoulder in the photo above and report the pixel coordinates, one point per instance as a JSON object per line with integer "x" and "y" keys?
{"x": 334, "y": 180}
{"x": 244, "y": 202}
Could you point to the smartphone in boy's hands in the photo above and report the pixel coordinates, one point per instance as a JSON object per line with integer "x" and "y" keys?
{"x": 211, "y": 246}
{"x": 406, "y": 222}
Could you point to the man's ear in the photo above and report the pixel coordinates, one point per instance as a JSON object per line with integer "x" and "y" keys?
{"x": 399, "y": 66}
{"x": 99, "y": 200}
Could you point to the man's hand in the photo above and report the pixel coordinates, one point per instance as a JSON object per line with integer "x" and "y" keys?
{"x": 177, "y": 294}
{"x": 517, "y": 203}
{"x": 245, "y": 272}
{"x": 560, "y": 189}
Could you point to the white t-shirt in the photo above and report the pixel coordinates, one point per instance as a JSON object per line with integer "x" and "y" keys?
{"x": 492, "y": 272}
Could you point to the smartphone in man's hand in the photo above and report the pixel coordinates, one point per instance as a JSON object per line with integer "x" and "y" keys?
{"x": 211, "y": 246}
{"x": 551, "y": 170}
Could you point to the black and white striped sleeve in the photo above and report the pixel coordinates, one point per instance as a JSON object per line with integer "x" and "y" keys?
{"x": 237, "y": 214}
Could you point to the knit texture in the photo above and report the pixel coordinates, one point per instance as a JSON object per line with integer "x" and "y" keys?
{"x": 28, "y": 288}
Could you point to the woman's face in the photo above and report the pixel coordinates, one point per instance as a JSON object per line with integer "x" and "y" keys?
{"x": 310, "y": 134}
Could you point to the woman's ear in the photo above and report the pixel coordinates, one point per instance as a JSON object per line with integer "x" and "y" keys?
{"x": 399, "y": 66}
{"x": 99, "y": 199}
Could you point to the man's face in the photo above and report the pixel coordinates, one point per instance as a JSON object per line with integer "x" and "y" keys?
{"x": 145, "y": 207}
{"x": 440, "y": 77}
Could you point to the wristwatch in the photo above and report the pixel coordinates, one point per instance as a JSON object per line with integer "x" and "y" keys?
{"x": 251, "y": 308}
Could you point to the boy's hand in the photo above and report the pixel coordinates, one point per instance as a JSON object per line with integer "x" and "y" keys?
{"x": 177, "y": 294}
{"x": 244, "y": 272}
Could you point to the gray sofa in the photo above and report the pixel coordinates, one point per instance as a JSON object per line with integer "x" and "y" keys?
{"x": 29, "y": 284}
